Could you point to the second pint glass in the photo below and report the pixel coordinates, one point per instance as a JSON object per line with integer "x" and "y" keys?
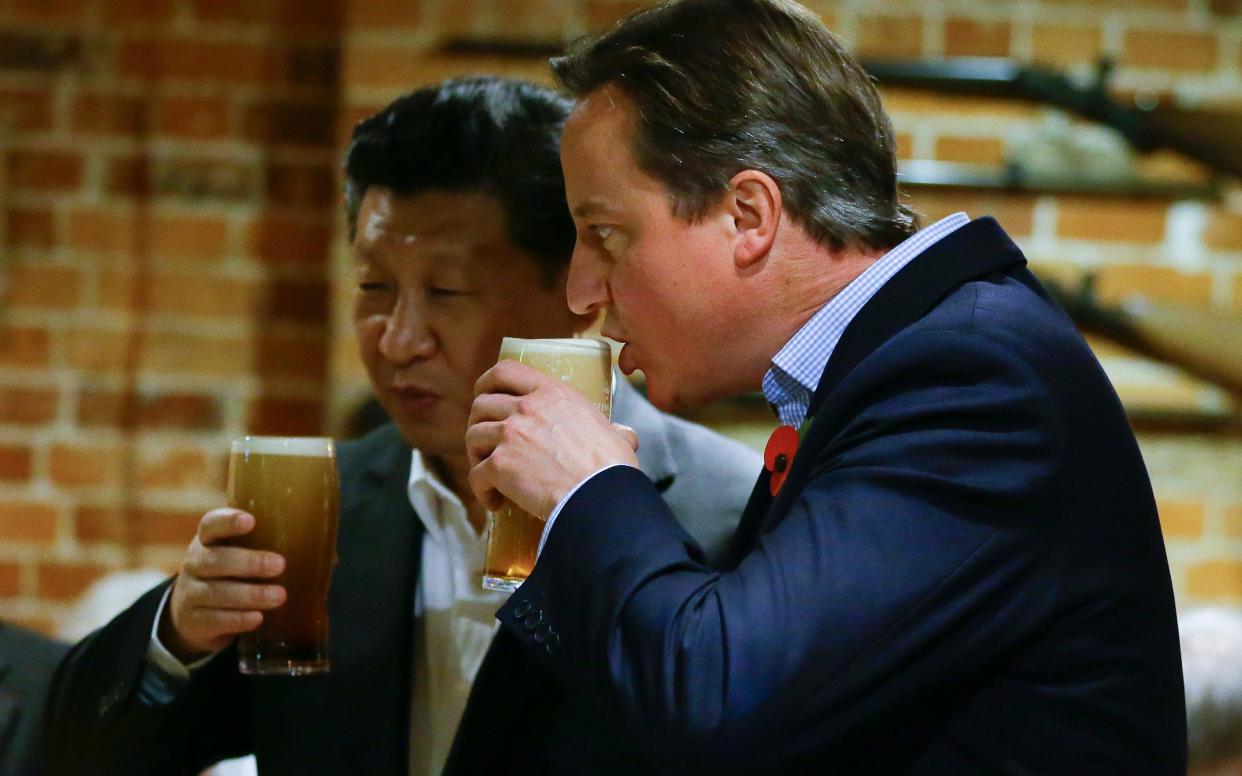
{"x": 586, "y": 364}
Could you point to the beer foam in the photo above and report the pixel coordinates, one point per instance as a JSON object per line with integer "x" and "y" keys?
{"x": 303, "y": 446}
{"x": 515, "y": 346}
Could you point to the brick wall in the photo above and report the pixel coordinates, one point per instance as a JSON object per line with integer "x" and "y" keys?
{"x": 177, "y": 272}
{"x": 170, "y": 171}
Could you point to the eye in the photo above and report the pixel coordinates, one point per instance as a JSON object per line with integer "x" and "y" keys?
{"x": 445, "y": 292}
{"x": 602, "y": 233}
{"x": 372, "y": 286}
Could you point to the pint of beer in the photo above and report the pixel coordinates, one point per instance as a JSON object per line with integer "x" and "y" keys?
{"x": 290, "y": 486}
{"x": 586, "y": 364}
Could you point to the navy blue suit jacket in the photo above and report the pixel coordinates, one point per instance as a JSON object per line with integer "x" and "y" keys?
{"x": 963, "y": 572}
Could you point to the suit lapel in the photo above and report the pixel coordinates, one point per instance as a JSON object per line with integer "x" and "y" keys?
{"x": 975, "y": 250}
{"x": 373, "y": 610}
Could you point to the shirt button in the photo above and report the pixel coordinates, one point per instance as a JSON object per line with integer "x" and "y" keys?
{"x": 532, "y": 620}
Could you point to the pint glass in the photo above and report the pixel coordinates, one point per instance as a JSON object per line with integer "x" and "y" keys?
{"x": 586, "y": 364}
{"x": 290, "y": 486}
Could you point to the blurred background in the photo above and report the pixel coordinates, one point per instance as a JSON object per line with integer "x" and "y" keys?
{"x": 173, "y": 267}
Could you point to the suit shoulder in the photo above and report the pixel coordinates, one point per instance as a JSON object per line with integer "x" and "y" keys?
{"x": 353, "y": 455}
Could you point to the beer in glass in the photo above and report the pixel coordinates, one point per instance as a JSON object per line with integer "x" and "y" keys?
{"x": 290, "y": 486}
{"x": 514, "y": 535}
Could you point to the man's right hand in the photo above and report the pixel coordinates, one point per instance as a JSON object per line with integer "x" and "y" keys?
{"x": 219, "y": 591}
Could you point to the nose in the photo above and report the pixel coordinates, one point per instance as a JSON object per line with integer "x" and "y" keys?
{"x": 587, "y": 288}
{"x": 407, "y": 336}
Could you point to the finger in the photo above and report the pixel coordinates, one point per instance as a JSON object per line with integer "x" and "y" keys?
{"x": 239, "y": 596}
{"x": 490, "y": 407}
{"x": 222, "y": 622}
{"x": 218, "y": 562}
{"x": 481, "y": 485}
{"x": 510, "y": 377}
{"x": 224, "y": 523}
{"x": 481, "y": 440}
{"x": 630, "y": 434}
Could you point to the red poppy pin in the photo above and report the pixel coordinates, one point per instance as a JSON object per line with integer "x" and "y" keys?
{"x": 779, "y": 454}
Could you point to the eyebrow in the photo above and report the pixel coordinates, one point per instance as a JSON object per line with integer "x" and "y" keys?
{"x": 592, "y": 206}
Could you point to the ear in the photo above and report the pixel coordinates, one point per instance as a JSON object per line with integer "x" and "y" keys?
{"x": 754, "y": 201}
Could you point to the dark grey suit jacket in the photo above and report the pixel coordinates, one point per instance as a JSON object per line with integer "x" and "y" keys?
{"x": 26, "y": 664}
{"x": 356, "y": 718}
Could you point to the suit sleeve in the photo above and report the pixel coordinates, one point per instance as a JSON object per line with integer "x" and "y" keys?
{"x": 917, "y": 552}
{"x": 97, "y": 721}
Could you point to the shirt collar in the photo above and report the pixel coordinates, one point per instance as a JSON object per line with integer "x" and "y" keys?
{"x": 797, "y": 367}
{"x": 431, "y": 499}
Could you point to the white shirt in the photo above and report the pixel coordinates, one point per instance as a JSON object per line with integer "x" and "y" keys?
{"x": 458, "y": 618}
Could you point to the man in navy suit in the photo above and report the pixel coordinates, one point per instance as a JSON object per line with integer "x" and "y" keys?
{"x": 954, "y": 562}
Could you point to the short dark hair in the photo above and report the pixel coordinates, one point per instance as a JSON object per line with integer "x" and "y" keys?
{"x": 497, "y": 136}
{"x": 719, "y": 86}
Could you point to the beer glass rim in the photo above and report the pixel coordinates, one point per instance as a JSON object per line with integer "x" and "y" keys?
{"x": 582, "y": 343}
{"x": 285, "y": 445}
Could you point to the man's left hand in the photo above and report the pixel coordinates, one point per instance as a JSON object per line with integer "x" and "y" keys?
{"x": 532, "y": 438}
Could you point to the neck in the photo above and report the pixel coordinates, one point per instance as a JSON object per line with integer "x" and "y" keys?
{"x": 454, "y": 472}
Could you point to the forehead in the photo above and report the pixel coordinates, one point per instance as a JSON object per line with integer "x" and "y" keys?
{"x": 598, "y": 157}
{"x": 446, "y": 220}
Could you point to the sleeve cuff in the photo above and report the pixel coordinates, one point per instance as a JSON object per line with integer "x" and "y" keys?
{"x": 547, "y": 526}
{"x": 164, "y": 676}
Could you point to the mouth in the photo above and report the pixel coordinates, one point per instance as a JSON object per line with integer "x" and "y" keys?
{"x": 412, "y": 398}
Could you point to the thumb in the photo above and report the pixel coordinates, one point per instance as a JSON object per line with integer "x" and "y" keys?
{"x": 630, "y": 435}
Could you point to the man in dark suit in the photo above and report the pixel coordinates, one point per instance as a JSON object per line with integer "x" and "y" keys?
{"x": 27, "y": 660}
{"x": 461, "y": 236}
{"x": 953, "y": 563}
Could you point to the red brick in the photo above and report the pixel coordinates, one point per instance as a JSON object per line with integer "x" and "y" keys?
{"x": 1015, "y": 212}
{"x": 1181, "y": 519}
{"x": 1224, "y": 231}
{"x": 269, "y": 415}
{"x": 206, "y": 296}
{"x": 307, "y": 64}
{"x": 971, "y": 150}
{"x": 16, "y": 463}
{"x": 43, "y": 286}
{"x": 189, "y": 236}
{"x": 110, "y": 114}
{"x": 62, "y": 581}
{"x": 196, "y": 179}
{"x": 74, "y": 466}
{"x": 1233, "y": 522}
{"x": 1169, "y": 50}
{"x": 106, "y": 524}
{"x": 28, "y": 406}
{"x": 45, "y": 170}
{"x": 181, "y": 353}
{"x": 27, "y": 109}
{"x": 296, "y": 300}
{"x": 905, "y": 145}
{"x": 31, "y": 228}
{"x": 184, "y": 411}
{"x": 312, "y": 185}
{"x": 100, "y": 350}
{"x": 10, "y": 579}
{"x": 381, "y": 15}
{"x": 309, "y": 17}
{"x": 290, "y": 242}
{"x": 195, "y": 60}
{"x": 602, "y": 14}
{"x": 288, "y": 123}
{"x": 128, "y": 176}
{"x": 1225, "y": 8}
{"x": 976, "y": 38}
{"x": 138, "y": 11}
{"x": 283, "y": 357}
{"x": 890, "y": 36}
{"x": 106, "y": 232}
{"x": 27, "y": 521}
{"x": 1066, "y": 44}
{"x": 47, "y": 11}
{"x": 1114, "y": 282}
{"x": 176, "y": 468}
{"x": 1111, "y": 220}
{"x": 26, "y": 347}
{"x": 197, "y": 118}
{"x": 1220, "y": 578}
{"x": 232, "y": 11}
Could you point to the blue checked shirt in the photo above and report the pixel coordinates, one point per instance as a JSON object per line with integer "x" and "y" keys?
{"x": 796, "y": 369}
